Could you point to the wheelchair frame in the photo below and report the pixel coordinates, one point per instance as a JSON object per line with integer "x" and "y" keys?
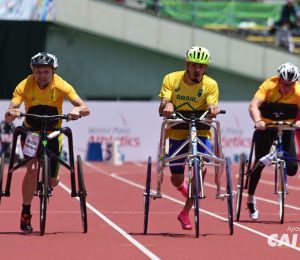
{"x": 276, "y": 157}
{"x": 43, "y": 189}
{"x": 195, "y": 160}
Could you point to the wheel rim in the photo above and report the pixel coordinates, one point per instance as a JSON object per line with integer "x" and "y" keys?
{"x": 82, "y": 195}
{"x": 147, "y": 195}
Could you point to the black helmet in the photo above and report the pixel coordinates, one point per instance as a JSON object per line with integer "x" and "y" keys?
{"x": 44, "y": 58}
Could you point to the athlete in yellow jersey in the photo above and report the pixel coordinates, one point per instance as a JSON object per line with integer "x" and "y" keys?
{"x": 188, "y": 90}
{"x": 281, "y": 92}
{"x": 43, "y": 93}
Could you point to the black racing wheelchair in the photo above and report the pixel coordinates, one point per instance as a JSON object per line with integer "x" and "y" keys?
{"x": 44, "y": 154}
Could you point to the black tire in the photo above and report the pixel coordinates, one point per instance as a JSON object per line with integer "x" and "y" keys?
{"x": 240, "y": 187}
{"x": 281, "y": 190}
{"x": 229, "y": 195}
{"x": 196, "y": 175}
{"x": 44, "y": 194}
{"x": 1, "y": 174}
{"x": 82, "y": 195}
{"x": 147, "y": 195}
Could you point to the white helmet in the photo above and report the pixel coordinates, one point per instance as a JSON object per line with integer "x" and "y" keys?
{"x": 288, "y": 72}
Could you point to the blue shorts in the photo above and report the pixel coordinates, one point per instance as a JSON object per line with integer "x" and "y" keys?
{"x": 174, "y": 144}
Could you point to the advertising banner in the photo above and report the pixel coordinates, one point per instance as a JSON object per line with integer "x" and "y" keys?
{"x": 135, "y": 128}
{"x": 40, "y": 10}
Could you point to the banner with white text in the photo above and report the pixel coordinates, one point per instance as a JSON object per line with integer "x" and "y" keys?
{"x": 136, "y": 126}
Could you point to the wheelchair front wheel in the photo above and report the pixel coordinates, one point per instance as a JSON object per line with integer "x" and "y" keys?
{"x": 281, "y": 189}
{"x": 229, "y": 195}
{"x": 82, "y": 194}
{"x": 240, "y": 187}
{"x": 147, "y": 195}
{"x": 197, "y": 175}
{"x": 43, "y": 193}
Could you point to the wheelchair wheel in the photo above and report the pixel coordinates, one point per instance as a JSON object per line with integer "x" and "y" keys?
{"x": 43, "y": 194}
{"x": 229, "y": 196}
{"x": 1, "y": 173}
{"x": 197, "y": 177}
{"x": 240, "y": 187}
{"x": 281, "y": 189}
{"x": 147, "y": 195}
{"x": 82, "y": 194}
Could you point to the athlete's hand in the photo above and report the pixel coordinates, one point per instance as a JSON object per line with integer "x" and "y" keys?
{"x": 74, "y": 113}
{"x": 213, "y": 109}
{"x": 12, "y": 114}
{"x": 168, "y": 110}
{"x": 259, "y": 124}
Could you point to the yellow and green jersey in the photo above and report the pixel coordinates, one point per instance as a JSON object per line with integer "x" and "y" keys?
{"x": 189, "y": 98}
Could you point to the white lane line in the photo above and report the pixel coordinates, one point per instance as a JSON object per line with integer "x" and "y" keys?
{"x": 115, "y": 176}
{"x": 271, "y": 183}
{"x": 212, "y": 185}
{"x": 257, "y": 197}
{"x": 137, "y": 244}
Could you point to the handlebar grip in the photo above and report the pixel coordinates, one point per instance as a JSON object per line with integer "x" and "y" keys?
{"x": 222, "y": 112}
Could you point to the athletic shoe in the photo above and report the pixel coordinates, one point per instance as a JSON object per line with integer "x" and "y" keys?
{"x": 183, "y": 189}
{"x": 253, "y": 211}
{"x": 183, "y": 218}
{"x": 25, "y": 223}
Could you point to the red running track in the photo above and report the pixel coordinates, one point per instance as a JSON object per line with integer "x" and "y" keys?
{"x": 115, "y": 219}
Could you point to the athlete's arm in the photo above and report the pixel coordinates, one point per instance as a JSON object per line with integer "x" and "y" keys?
{"x": 255, "y": 113}
{"x": 79, "y": 109}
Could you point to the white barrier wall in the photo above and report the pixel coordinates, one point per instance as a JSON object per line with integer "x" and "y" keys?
{"x": 137, "y": 127}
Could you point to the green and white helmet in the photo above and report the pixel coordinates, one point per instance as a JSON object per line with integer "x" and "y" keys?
{"x": 198, "y": 54}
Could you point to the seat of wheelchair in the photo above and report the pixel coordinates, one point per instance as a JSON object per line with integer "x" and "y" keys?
{"x": 278, "y": 111}
{"x": 189, "y": 114}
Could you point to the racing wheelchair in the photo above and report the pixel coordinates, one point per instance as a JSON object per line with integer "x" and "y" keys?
{"x": 195, "y": 160}
{"x": 277, "y": 156}
{"x": 40, "y": 142}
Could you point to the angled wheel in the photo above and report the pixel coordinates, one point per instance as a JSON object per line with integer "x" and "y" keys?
{"x": 1, "y": 174}
{"x": 82, "y": 194}
{"x": 196, "y": 175}
{"x": 147, "y": 195}
{"x": 240, "y": 187}
{"x": 229, "y": 195}
{"x": 281, "y": 189}
{"x": 43, "y": 194}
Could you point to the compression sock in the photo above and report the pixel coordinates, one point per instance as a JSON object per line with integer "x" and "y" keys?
{"x": 26, "y": 209}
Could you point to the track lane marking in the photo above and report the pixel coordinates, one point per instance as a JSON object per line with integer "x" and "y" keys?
{"x": 257, "y": 197}
{"x": 114, "y": 175}
{"x": 212, "y": 185}
{"x": 137, "y": 185}
{"x": 137, "y": 244}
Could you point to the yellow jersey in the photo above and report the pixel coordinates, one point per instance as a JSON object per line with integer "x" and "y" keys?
{"x": 268, "y": 91}
{"x": 189, "y": 98}
{"x": 47, "y": 101}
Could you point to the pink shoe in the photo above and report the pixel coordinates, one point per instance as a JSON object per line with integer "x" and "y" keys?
{"x": 183, "y": 218}
{"x": 183, "y": 189}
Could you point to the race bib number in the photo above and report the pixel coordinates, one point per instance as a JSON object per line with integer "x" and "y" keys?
{"x": 31, "y": 144}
